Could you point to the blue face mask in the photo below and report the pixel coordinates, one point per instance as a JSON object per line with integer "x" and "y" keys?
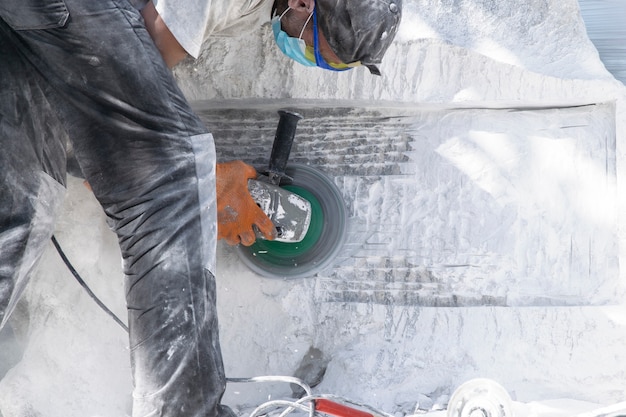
{"x": 294, "y": 48}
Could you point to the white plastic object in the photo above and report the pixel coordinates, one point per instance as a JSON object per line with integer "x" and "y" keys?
{"x": 480, "y": 397}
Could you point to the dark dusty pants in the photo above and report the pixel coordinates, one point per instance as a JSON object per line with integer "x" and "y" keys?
{"x": 88, "y": 69}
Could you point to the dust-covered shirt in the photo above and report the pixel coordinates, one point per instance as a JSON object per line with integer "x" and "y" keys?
{"x": 192, "y": 21}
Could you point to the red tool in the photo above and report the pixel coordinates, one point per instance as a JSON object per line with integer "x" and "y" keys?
{"x": 340, "y": 410}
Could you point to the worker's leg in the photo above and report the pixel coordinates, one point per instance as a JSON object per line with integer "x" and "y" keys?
{"x": 32, "y": 170}
{"x": 150, "y": 163}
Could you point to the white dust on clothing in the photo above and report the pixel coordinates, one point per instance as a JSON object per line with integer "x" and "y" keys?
{"x": 450, "y": 55}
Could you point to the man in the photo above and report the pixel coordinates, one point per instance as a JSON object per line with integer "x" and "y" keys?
{"x": 96, "y": 73}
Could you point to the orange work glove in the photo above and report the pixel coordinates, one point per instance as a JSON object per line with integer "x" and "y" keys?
{"x": 237, "y": 212}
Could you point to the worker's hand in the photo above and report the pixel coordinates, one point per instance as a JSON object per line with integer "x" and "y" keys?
{"x": 237, "y": 212}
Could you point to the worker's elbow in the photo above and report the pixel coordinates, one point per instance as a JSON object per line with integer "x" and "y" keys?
{"x": 171, "y": 50}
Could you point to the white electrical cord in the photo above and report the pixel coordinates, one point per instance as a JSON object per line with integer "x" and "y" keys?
{"x": 305, "y": 404}
{"x": 290, "y": 406}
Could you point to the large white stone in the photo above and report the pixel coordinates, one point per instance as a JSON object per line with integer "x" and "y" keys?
{"x": 486, "y": 240}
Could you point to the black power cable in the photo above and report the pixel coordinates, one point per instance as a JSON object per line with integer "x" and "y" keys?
{"x": 85, "y": 286}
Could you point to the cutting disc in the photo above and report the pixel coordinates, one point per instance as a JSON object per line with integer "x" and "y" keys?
{"x": 323, "y": 240}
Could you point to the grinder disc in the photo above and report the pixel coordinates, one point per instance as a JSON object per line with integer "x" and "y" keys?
{"x": 323, "y": 240}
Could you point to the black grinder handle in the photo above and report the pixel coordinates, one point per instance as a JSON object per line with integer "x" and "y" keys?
{"x": 285, "y": 133}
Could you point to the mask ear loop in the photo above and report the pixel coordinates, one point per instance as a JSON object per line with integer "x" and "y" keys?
{"x": 284, "y": 13}
{"x": 305, "y": 23}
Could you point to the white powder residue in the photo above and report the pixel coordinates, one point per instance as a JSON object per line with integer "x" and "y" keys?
{"x": 489, "y": 244}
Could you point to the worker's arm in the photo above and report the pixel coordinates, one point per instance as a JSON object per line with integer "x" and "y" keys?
{"x": 167, "y": 44}
{"x": 237, "y": 212}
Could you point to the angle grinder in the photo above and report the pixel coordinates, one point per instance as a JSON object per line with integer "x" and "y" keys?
{"x": 306, "y": 208}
